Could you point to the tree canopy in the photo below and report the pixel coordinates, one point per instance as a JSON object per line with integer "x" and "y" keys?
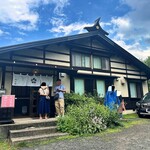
{"x": 147, "y": 61}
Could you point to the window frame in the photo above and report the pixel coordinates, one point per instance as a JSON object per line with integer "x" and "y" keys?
{"x": 82, "y": 60}
{"x": 102, "y": 58}
{"x": 75, "y": 86}
{"x": 138, "y": 90}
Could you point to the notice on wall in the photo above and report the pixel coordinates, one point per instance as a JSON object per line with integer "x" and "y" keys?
{"x": 8, "y": 101}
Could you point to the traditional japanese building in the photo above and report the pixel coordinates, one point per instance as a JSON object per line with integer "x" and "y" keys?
{"x": 84, "y": 62}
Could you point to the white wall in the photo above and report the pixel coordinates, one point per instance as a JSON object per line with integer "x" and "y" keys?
{"x": 145, "y": 87}
{"x": 121, "y": 87}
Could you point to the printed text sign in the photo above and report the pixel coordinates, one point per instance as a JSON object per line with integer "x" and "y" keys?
{"x": 8, "y": 101}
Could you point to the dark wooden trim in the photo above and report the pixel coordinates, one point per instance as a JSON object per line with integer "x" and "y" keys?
{"x": 40, "y": 65}
{"x": 27, "y": 56}
{"x": 80, "y": 51}
{"x": 44, "y": 56}
{"x": 58, "y": 60}
{"x": 71, "y": 57}
{"x": 3, "y": 77}
{"x": 128, "y": 74}
{"x": 77, "y": 45}
{"x": 38, "y": 59}
{"x": 51, "y": 51}
{"x": 118, "y": 62}
{"x": 125, "y": 69}
{"x": 30, "y": 73}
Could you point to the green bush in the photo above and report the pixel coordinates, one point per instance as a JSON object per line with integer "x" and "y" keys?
{"x": 76, "y": 99}
{"x": 84, "y": 115}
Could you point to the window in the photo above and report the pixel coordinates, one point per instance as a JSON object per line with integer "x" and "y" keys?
{"x": 135, "y": 90}
{"x": 105, "y": 64}
{"x": 80, "y": 60}
{"x": 100, "y": 63}
{"x": 97, "y": 62}
{"x": 79, "y": 86}
{"x": 100, "y": 85}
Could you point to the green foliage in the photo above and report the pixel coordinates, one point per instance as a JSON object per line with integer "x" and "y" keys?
{"x": 147, "y": 61}
{"x": 86, "y": 116}
{"x": 76, "y": 99}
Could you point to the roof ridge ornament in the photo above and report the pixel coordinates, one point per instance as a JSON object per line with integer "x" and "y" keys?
{"x": 96, "y": 27}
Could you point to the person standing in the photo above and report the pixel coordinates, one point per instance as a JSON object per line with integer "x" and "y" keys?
{"x": 121, "y": 109}
{"x": 44, "y": 104}
{"x": 111, "y": 98}
{"x": 59, "y": 102}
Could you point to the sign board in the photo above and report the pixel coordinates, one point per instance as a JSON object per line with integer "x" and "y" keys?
{"x": 8, "y": 101}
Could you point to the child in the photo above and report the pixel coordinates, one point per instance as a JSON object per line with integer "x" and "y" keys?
{"x": 121, "y": 108}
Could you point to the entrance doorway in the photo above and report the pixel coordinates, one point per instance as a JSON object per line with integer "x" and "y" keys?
{"x": 26, "y": 102}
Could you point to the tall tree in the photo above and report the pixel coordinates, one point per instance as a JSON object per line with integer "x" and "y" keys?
{"x": 147, "y": 62}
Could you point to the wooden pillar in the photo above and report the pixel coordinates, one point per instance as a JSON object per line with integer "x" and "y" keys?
{"x": 3, "y": 76}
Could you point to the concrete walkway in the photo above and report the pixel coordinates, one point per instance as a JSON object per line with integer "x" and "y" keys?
{"x": 32, "y": 120}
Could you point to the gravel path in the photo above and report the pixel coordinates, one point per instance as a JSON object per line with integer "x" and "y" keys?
{"x": 134, "y": 138}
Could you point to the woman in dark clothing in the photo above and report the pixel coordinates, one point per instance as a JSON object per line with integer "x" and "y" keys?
{"x": 44, "y": 104}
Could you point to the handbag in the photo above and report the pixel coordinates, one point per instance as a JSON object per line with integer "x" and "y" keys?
{"x": 56, "y": 97}
{"x": 48, "y": 97}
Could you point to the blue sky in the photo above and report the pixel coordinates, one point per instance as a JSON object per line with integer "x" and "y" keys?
{"x": 126, "y": 21}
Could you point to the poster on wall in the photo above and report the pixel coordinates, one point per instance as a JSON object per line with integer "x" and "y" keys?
{"x": 8, "y": 101}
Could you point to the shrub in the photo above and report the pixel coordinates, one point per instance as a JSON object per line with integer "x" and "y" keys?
{"x": 76, "y": 99}
{"x": 85, "y": 116}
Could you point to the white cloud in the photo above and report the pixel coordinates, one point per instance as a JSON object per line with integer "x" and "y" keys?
{"x": 59, "y": 6}
{"x": 22, "y": 33}
{"x": 18, "y": 39}
{"x": 2, "y": 33}
{"x": 135, "y": 23}
{"x": 59, "y": 27}
{"x": 135, "y": 49}
{"x": 23, "y": 13}
{"x": 20, "y": 13}
{"x": 132, "y": 31}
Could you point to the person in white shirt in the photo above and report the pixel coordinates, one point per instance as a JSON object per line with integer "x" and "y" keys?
{"x": 44, "y": 104}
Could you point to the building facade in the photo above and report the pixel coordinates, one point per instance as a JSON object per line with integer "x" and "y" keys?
{"x": 84, "y": 62}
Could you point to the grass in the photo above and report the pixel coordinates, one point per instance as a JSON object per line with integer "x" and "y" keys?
{"x": 4, "y": 145}
{"x": 129, "y": 120}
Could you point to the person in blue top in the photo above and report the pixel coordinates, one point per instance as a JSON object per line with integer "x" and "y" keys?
{"x": 59, "y": 103}
{"x": 111, "y": 100}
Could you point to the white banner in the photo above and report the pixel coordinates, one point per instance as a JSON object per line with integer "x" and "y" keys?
{"x": 19, "y": 80}
{"x": 33, "y": 81}
{"x": 47, "y": 79}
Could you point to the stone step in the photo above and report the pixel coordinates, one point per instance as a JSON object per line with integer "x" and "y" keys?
{"x": 37, "y": 137}
{"x": 18, "y": 125}
{"x": 32, "y": 131}
{"x": 34, "y": 123}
